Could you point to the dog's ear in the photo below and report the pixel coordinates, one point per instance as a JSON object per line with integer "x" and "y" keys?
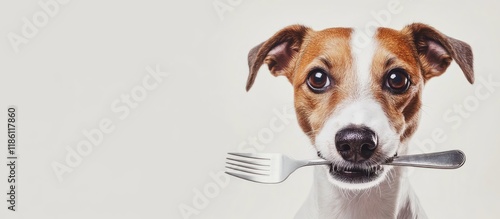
{"x": 436, "y": 51}
{"x": 277, "y": 52}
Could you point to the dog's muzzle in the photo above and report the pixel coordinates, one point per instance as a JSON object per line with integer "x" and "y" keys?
{"x": 357, "y": 146}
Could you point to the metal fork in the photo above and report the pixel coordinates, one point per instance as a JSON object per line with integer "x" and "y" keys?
{"x": 275, "y": 168}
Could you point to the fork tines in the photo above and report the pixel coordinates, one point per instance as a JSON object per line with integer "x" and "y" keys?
{"x": 246, "y": 163}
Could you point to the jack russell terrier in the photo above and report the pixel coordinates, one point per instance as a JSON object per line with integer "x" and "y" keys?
{"x": 357, "y": 96}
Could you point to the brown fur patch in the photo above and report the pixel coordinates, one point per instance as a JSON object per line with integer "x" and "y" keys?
{"x": 396, "y": 51}
{"x": 330, "y": 51}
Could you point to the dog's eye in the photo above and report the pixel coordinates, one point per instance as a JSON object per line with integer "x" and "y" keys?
{"x": 397, "y": 81}
{"x": 318, "y": 81}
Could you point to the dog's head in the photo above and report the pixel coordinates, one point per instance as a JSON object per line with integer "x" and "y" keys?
{"x": 358, "y": 92}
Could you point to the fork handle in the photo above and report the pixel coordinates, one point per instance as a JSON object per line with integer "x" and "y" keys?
{"x": 317, "y": 162}
{"x": 440, "y": 160}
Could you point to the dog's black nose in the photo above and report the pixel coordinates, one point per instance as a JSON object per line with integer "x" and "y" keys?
{"x": 356, "y": 144}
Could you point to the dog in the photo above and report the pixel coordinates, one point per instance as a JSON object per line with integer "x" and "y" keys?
{"x": 357, "y": 96}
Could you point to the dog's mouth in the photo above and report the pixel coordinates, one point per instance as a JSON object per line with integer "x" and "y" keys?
{"x": 351, "y": 173}
{"x": 355, "y": 174}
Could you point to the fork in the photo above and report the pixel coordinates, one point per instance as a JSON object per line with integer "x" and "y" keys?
{"x": 275, "y": 168}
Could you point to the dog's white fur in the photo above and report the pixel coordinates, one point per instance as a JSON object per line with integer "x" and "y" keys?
{"x": 392, "y": 197}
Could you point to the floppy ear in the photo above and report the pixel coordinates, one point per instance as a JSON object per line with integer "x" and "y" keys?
{"x": 436, "y": 51}
{"x": 277, "y": 52}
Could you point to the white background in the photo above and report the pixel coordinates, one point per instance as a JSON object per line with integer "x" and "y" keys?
{"x": 66, "y": 77}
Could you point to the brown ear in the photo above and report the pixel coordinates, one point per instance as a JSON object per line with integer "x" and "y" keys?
{"x": 436, "y": 51}
{"x": 277, "y": 52}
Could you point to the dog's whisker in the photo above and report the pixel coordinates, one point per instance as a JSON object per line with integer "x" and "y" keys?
{"x": 379, "y": 191}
